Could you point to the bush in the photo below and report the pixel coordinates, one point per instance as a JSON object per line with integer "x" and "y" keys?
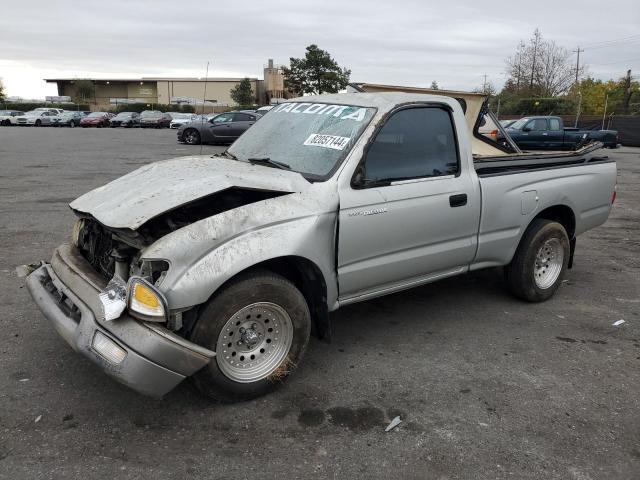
{"x": 140, "y": 107}
{"x": 25, "y": 107}
{"x": 535, "y": 106}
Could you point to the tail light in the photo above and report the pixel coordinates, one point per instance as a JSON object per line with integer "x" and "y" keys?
{"x": 614, "y": 194}
{"x": 494, "y": 133}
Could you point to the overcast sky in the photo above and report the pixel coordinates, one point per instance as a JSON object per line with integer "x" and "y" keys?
{"x": 404, "y": 42}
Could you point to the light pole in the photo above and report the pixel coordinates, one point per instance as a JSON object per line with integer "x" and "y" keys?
{"x": 578, "y": 111}
{"x": 606, "y": 100}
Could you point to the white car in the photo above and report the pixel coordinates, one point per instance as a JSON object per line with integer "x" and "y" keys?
{"x": 265, "y": 109}
{"x": 8, "y": 117}
{"x": 55, "y": 111}
{"x": 179, "y": 119}
{"x": 36, "y": 118}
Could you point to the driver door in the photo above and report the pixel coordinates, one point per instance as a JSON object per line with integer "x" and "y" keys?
{"x": 413, "y": 214}
{"x": 220, "y": 127}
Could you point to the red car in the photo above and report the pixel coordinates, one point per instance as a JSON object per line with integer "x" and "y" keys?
{"x": 96, "y": 119}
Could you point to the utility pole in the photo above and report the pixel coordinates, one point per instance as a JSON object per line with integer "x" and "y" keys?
{"x": 535, "y": 51}
{"x": 484, "y": 84}
{"x": 578, "y": 62}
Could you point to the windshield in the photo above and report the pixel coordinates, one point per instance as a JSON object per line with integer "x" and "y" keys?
{"x": 96, "y": 115}
{"x": 312, "y": 138}
{"x": 517, "y": 125}
{"x": 124, "y": 115}
{"x": 151, "y": 114}
{"x": 33, "y": 113}
{"x": 67, "y": 114}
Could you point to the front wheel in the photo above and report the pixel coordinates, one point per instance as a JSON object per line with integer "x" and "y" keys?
{"x": 259, "y": 327}
{"x": 72, "y": 124}
{"x": 38, "y": 123}
{"x": 540, "y": 262}
{"x": 191, "y": 136}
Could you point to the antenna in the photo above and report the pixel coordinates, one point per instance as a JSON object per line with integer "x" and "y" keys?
{"x": 204, "y": 99}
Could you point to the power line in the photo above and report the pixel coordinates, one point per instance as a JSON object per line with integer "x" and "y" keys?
{"x": 618, "y": 61}
{"x": 617, "y": 44}
{"x": 607, "y": 42}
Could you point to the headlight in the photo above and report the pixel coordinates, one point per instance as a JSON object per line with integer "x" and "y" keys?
{"x": 145, "y": 301}
{"x": 77, "y": 228}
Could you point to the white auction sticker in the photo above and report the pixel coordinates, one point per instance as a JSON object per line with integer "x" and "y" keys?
{"x": 327, "y": 141}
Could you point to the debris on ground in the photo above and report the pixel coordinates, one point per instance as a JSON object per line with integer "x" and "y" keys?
{"x": 38, "y": 418}
{"x": 618, "y": 323}
{"x": 394, "y": 423}
{"x": 23, "y": 380}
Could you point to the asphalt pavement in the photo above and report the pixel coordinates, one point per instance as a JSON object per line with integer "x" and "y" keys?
{"x": 486, "y": 386}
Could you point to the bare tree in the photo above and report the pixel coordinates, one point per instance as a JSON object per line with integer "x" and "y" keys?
{"x": 541, "y": 68}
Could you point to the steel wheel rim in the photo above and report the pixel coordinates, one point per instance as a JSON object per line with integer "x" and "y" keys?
{"x": 549, "y": 262}
{"x": 254, "y": 342}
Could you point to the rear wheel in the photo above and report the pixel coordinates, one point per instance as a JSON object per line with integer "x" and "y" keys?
{"x": 191, "y": 136}
{"x": 259, "y": 327}
{"x": 540, "y": 262}
{"x": 38, "y": 123}
{"x": 72, "y": 123}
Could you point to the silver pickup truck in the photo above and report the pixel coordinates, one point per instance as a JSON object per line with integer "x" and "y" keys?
{"x": 220, "y": 268}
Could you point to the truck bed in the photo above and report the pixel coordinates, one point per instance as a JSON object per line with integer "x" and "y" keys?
{"x": 577, "y": 186}
{"x": 521, "y": 162}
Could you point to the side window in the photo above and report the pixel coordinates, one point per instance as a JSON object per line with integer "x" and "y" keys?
{"x": 414, "y": 143}
{"x": 554, "y": 124}
{"x": 537, "y": 125}
{"x": 224, "y": 118}
{"x": 242, "y": 117}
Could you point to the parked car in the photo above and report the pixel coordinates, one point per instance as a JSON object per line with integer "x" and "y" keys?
{"x": 97, "y": 119}
{"x": 549, "y": 133}
{"x": 218, "y": 268}
{"x": 9, "y": 117}
{"x": 55, "y": 111}
{"x": 126, "y": 119}
{"x": 222, "y": 128}
{"x": 36, "y": 118}
{"x": 263, "y": 110}
{"x": 67, "y": 119}
{"x": 154, "y": 119}
{"x": 179, "y": 119}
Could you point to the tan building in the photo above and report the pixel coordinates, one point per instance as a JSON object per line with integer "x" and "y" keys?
{"x": 216, "y": 92}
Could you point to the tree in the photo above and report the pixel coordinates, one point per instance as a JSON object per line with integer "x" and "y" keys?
{"x": 316, "y": 73}
{"x": 434, "y": 85}
{"x": 84, "y": 90}
{"x": 1, "y": 90}
{"x": 541, "y": 68}
{"x": 242, "y": 93}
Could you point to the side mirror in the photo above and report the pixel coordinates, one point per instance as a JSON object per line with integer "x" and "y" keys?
{"x": 526, "y": 129}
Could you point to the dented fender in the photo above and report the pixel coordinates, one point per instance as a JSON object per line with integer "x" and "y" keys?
{"x": 207, "y": 253}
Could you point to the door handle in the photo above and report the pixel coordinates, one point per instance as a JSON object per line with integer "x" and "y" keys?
{"x": 458, "y": 200}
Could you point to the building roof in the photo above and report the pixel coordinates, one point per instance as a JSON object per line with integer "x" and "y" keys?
{"x": 152, "y": 79}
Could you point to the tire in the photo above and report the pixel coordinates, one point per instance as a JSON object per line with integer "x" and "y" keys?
{"x": 191, "y": 136}
{"x": 265, "y": 305}
{"x": 540, "y": 262}
{"x": 38, "y": 123}
{"x": 72, "y": 124}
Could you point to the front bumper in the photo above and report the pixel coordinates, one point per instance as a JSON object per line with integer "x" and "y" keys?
{"x": 66, "y": 290}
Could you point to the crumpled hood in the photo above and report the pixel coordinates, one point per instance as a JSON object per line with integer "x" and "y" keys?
{"x": 132, "y": 200}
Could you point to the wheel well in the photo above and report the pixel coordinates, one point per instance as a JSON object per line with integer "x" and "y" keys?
{"x": 307, "y": 277}
{"x": 563, "y": 215}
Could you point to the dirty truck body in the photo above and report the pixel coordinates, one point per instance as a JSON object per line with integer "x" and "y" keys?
{"x": 219, "y": 268}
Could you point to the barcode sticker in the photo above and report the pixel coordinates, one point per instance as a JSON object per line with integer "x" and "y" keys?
{"x": 327, "y": 141}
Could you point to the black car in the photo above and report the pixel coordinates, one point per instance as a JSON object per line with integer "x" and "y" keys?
{"x": 126, "y": 119}
{"x": 67, "y": 119}
{"x": 223, "y": 128}
{"x": 154, "y": 119}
